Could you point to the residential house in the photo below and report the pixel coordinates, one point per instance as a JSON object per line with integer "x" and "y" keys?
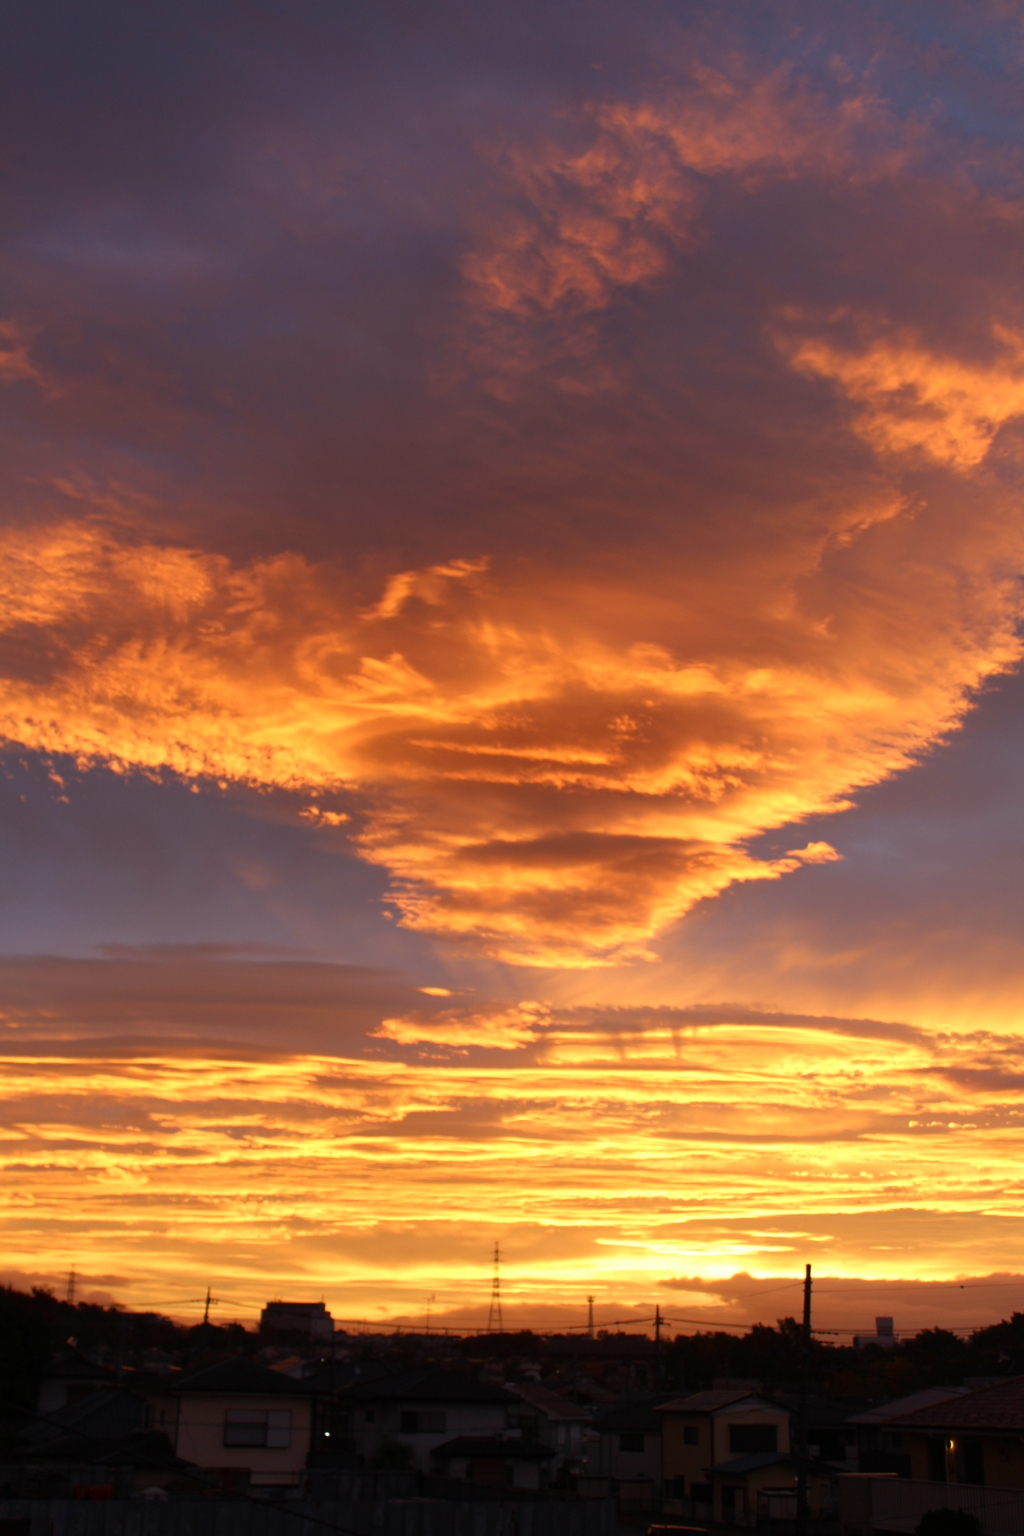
{"x": 236, "y": 1416}
{"x": 70, "y": 1377}
{"x": 420, "y": 1410}
{"x": 725, "y": 1452}
{"x": 554, "y": 1421}
{"x": 624, "y": 1452}
{"x": 509, "y": 1460}
{"x": 832, "y": 1434}
{"x": 973, "y": 1437}
{"x": 882, "y": 1445}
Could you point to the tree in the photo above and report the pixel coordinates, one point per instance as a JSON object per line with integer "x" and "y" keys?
{"x": 948, "y": 1522}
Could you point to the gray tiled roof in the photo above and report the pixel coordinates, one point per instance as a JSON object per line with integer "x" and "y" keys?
{"x": 999, "y": 1407}
{"x": 237, "y": 1377}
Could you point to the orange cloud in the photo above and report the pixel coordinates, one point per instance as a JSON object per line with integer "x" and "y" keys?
{"x": 911, "y": 399}
{"x": 612, "y": 1151}
{"x": 15, "y": 360}
{"x": 503, "y": 1029}
{"x": 554, "y": 769}
{"x": 557, "y": 756}
{"x": 582, "y": 226}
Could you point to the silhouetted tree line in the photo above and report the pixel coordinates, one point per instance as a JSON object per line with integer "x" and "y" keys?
{"x": 33, "y": 1324}
{"x": 934, "y": 1357}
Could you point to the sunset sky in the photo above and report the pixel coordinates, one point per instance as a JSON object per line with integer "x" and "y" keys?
{"x": 510, "y": 656}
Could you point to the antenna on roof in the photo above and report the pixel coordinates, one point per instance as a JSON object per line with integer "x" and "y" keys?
{"x": 494, "y": 1319}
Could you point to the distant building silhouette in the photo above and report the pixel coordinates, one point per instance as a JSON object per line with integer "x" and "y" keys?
{"x": 310, "y": 1317}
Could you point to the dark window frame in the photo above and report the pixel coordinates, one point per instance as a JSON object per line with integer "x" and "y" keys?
{"x": 753, "y": 1439}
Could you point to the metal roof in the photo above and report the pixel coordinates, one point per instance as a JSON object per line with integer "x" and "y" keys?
{"x": 239, "y": 1377}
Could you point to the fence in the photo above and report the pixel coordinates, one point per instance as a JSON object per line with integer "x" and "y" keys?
{"x": 245, "y": 1517}
{"x": 869, "y": 1504}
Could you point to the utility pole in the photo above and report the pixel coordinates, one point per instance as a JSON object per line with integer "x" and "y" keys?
{"x": 494, "y": 1311}
{"x": 657, "y": 1343}
{"x": 801, "y": 1445}
{"x": 590, "y": 1317}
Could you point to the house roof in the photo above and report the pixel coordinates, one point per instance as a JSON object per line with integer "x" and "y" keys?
{"x": 430, "y": 1384}
{"x": 997, "y": 1407}
{"x": 106, "y": 1412}
{"x": 740, "y": 1465}
{"x": 69, "y": 1365}
{"x": 823, "y": 1412}
{"x": 331, "y": 1380}
{"x": 714, "y": 1401}
{"x": 636, "y": 1413}
{"x": 926, "y": 1399}
{"x": 146, "y": 1450}
{"x": 550, "y": 1404}
{"x": 239, "y": 1377}
{"x": 492, "y": 1447}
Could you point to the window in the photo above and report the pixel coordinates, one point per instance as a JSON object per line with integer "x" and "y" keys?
{"x": 745, "y": 1439}
{"x": 263, "y": 1427}
{"x": 729, "y": 1498}
{"x": 974, "y": 1462}
{"x": 420, "y": 1421}
{"x": 691, "y": 1434}
{"x": 631, "y": 1441}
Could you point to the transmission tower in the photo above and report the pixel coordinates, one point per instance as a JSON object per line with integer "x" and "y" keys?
{"x": 590, "y": 1317}
{"x": 494, "y": 1318}
{"x": 72, "y": 1282}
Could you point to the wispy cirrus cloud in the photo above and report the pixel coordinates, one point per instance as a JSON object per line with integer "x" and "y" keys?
{"x": 231, "y": 1113}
